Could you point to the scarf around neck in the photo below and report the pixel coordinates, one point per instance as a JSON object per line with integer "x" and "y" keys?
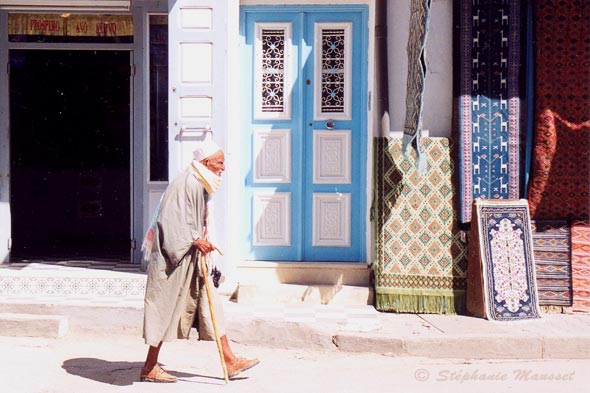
{"x": 210, "y": 180}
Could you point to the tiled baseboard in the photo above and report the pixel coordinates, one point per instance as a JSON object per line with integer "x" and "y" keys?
{"x": 72, "y": 282}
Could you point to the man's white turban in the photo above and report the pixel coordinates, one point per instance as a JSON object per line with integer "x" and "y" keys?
{"x": 205, "y": 149}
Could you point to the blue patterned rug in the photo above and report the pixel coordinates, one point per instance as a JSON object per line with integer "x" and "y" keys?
{"x": 489, "y": 101}
{"x": 501, "y": 282}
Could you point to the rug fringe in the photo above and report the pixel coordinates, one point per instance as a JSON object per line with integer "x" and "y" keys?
{"x": 420, "y": 304}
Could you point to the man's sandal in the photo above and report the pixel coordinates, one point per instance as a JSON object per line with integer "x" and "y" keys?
{"x": 156, "y": 374}
{"x": 242, "y": 364}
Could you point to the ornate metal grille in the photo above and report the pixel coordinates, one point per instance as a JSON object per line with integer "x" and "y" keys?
{"x": 273, "y": 70}
{"x": 333, "y": 70}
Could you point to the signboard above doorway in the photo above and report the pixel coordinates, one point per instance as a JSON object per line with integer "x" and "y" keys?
{"x": 77, "y": 5}
{"x": 24, "y": 27}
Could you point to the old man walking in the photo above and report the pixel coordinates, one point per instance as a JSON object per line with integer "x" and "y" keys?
{"x": 173, "y": 245}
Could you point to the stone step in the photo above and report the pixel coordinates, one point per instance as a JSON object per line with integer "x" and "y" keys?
{"x": 31, "y": 325}
{"x": 308, "y": 294}
{"x": 312, "y": 273}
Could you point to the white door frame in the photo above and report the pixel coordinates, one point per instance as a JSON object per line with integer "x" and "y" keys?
{"x": 135, "y": 131}
{"x": 5, "y": 220}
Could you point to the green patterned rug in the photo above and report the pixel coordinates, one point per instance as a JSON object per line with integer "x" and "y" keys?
{"x": 421, "y": 261}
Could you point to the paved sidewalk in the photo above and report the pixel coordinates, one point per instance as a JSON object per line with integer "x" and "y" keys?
{"x": 355, "y": 329}
{"x": 109, "y": 363}
{"x": 79, "y": 301}
{"x": 557, "y": 336}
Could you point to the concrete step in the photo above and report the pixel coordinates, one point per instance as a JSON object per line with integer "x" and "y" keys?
{"x": 307, "y": 294}
{"x": 80, "y": 319}
{"x": 31, "y": 325}
{"x": 313, "y": 283}
{"x": 312, "y": 273}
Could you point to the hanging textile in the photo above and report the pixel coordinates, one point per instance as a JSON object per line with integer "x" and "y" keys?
{"x": 489, "y": 101}
{"x": 421, "y": 261}
{"x": 560, "y": 176}
{"x": 419, "y": 20}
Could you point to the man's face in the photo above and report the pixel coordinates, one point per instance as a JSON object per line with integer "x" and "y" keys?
{"x": 215, "y": 162}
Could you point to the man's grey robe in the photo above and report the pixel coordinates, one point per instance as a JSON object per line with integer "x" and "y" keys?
{"x": 173, "y": 289}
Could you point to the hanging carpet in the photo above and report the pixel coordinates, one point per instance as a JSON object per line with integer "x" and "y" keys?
{"x": 501, "y": 282}
{"x": 489, "y": 101}
{"x": 560, "y": 181}
{"x": 421, "y": 260}
{"x": 560, "y": 176}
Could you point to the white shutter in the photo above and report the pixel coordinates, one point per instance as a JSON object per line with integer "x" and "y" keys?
{"x": 5, "y": 221}
{"x": 197, "y": 64}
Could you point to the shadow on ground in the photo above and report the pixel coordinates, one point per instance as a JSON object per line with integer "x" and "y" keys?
{"x": 117, "y": 373}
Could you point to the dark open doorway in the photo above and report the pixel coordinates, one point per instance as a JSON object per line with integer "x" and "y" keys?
{"x": 70, "y": 154}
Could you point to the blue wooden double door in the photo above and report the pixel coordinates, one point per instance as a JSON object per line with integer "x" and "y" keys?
{"x": 303, "y": 135}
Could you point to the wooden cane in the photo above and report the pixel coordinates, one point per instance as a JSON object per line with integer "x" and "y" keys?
{"x": 217, "y": 338}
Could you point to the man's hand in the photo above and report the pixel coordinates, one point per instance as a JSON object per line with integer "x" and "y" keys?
{"x": 204, "y": 246}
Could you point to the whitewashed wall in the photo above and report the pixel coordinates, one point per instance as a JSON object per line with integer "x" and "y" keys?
{"x": 438, "y": 93}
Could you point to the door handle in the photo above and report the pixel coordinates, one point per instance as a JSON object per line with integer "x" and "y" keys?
{"x": 330, "y": 124}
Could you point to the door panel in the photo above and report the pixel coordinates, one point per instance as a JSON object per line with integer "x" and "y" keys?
{"x": 272, "y": 138}
{"x": 334, "y": 183}
{"x": 305, "y": 139}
